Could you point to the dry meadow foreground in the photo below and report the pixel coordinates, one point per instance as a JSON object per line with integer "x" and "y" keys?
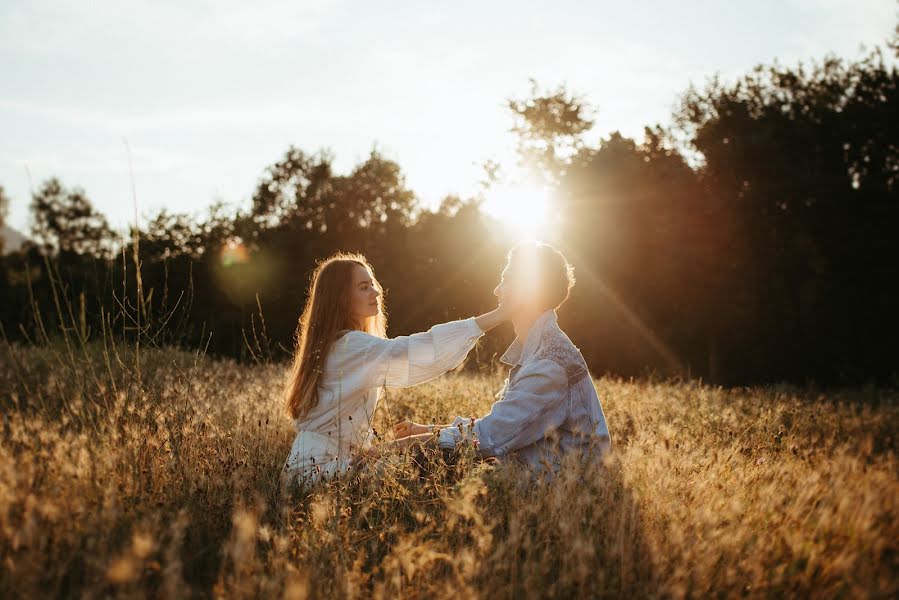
{"x": 162, "y": 481}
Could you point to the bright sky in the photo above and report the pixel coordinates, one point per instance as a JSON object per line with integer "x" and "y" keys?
{"x": 210, "y": 92}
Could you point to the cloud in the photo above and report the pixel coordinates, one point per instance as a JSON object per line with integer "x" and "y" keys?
{"x": 841, "y": 27}
{"x": 213, "y": 90}
{"x": 48, "y": 27}
{"x": 118, "y": 122}
{"x": 92, "y": 160}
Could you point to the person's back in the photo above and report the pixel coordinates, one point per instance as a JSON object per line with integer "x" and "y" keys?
{"x": 583, "y": 426}
{"x": 548, "y": 408}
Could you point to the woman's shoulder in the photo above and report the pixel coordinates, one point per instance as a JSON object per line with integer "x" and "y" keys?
{"x": 356, "y": 335}
{"x": 353, "y": 340}
{"x": 351, "y": 351}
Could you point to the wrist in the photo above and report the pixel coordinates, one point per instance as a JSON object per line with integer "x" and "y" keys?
{"x": 491, "y": 319}
{"x": 501, "y": 313}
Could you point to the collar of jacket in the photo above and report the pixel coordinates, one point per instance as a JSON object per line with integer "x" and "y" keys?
{"x": 519, "y": 352}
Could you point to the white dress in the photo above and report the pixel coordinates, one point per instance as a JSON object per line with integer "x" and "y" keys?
{"x": 358, "y": 365}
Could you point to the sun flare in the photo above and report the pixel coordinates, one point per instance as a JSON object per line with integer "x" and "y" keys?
{"x": 524, "y": 209}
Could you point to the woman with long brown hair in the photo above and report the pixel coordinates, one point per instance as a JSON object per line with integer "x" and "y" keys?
{"x": 343, "y": 359}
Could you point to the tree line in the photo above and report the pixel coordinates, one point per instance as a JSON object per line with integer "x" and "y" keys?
{"x": 751, "y": 239}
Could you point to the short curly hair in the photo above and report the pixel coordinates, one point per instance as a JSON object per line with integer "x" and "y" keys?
{"x": 548, "y": 272}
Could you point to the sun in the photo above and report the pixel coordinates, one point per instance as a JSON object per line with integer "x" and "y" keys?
{"x": 523, "y": 209}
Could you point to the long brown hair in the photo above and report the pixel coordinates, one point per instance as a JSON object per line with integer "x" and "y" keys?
{"x": 326, "y": 313}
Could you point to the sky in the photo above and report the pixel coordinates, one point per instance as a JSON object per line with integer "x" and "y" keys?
{"x": 207, "y": 93}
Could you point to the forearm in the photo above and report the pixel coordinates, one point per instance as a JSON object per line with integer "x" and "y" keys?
{"x": 423, "y": 439}
{"x": 438, "y": 426}
{"x": 489, "y": 320}
{"x": 409, "y": 360}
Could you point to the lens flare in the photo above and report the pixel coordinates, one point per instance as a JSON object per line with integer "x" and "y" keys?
{"x": 234, "y": 253}
{"x": 524, "y": 209}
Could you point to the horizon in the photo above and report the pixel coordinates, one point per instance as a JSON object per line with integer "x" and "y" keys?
{"x": 204, "y": 116}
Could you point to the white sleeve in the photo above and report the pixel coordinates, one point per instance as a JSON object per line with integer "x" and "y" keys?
{"x": 408, "y": 360}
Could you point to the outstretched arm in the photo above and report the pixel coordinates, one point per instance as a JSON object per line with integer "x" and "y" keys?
{"x": 398, "y": 445}
{"x": 528, "y": 410}
{"x": 408, "y": 360}
{"x": 406, "y": 428}
{"x": 491, "y": 319}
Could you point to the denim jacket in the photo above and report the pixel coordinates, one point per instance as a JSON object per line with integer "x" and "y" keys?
{"x": 547, "y": 408}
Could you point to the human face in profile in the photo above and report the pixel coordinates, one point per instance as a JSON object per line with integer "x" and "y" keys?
{"x": 364, "y": 295}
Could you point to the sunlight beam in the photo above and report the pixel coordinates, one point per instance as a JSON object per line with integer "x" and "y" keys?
{"x": 647, "y": 334}
{"x": 523, "y": 209}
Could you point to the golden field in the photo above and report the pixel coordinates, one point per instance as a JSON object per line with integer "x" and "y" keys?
{"x": 156, "y": 474}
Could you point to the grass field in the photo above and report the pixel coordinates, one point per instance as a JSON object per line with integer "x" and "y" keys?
{"x": 160, "y": 477}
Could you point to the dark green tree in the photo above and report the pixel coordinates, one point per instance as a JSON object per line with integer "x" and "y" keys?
{"x": 550, "y": 127}
{"x": 802, "y": 166}
{"x": 293, "y": 189}
{"x": 374, "y": 194}
{"x": 169, "y": 235}
{"x": 65, "y": 221}
{"x": 635, "y": 229}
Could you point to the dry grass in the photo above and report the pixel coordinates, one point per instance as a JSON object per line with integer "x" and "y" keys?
{"x": 163, "y": 482}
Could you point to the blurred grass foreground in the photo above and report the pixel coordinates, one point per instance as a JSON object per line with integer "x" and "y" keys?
{"x": 156, "y": 474}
